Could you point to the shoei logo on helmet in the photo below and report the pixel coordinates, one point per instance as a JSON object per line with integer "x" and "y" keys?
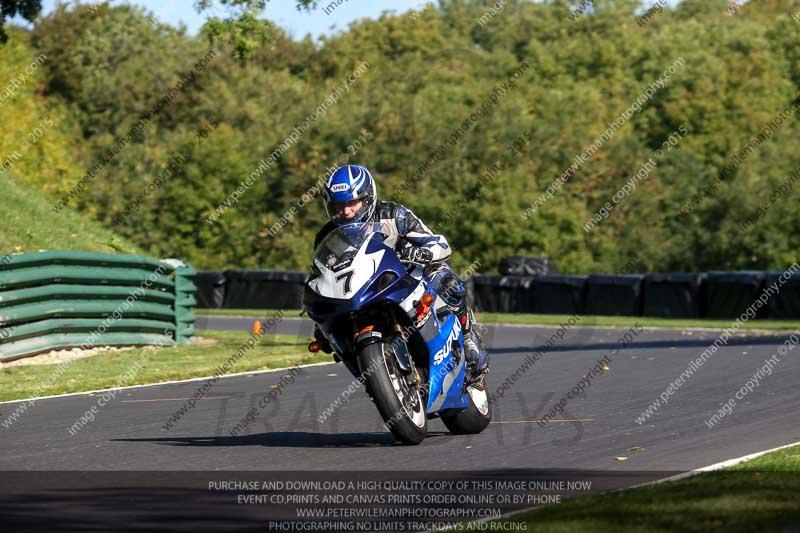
{"x": 339, "y": 187}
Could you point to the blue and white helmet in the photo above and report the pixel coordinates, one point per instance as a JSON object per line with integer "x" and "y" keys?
{"x": 347, "y": 184}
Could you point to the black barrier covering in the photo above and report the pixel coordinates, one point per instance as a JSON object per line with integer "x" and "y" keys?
{"x": 516, "y": 294}
{"x": 712, "y": 295}
{"x": 210, "y": 289}
{"x": 503, "y": 294}
{"x": 291, "y": 501}
{"x": 614, "y": 295}
{"x": 518, "y": 265}
{"x": 671, "y": 295}
{"x": 264, "y": 289}
{"x": 469, "y": 287}
{"x": 485, "y": 293}
{"x": 729, "y": 294}
{"x": 786, "y": 303}
{"x": 559, "y": 295}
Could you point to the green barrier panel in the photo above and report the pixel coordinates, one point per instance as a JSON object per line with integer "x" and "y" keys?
{"x": 57, "y": 274}
{"x": 46, "y": 343}
{"x": 69, "y": 257}
{"x": 186, "y": 331}
{"x": 78, "y": 308}
{"x": 184, "y": 302}
{"x": 67, "y": 292}
{"x": 56, "y": 298}
{"x": 184, "y": 284}
{"x": 85, "y": 325}
{"x": 186, "y": 317}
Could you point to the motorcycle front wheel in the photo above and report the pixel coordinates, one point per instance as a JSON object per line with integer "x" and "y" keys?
{"x": 401, "y": 406}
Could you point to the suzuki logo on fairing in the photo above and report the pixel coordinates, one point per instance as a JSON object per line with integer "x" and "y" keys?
{"x": 441, "y": 354}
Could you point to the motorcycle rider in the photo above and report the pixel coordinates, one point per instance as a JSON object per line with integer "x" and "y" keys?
{"x": 351, "y": 196}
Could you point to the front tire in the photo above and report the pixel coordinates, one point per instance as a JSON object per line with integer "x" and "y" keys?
{"x": 401, "y": 406}
{"x": 475, "y": 417}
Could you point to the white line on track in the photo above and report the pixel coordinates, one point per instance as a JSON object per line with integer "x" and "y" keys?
{"x": 716, "y": 466}
{"x": 701, "y": 470}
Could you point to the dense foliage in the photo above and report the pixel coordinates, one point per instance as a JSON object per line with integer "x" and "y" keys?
{"x": 543, "y": 81}
{"x": 40, "y": 144}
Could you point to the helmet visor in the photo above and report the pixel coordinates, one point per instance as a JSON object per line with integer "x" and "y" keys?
{"x": 347, "y": 210}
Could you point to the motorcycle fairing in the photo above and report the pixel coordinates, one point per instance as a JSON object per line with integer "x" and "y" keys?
{"x": 334, "y": 295}
{"x": 446, "y": 376}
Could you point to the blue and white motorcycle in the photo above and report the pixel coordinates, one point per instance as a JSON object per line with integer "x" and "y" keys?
{"x": 395, "y": 333}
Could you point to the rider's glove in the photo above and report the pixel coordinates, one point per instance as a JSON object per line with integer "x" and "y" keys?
{"x": 417, "y": 255}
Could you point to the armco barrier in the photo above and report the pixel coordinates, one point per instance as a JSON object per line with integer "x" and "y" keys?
{"x": 671, "y": 295}
{"x": 613, "y": 295}
{"x": 729, "y": 294}
{"x": 211, "y": 286}
{"x": 502, "y": 294}
{"x": 785, "y": 304}
{"x": 705, "y": 295}
{"x": 559, "y": 295}
{"x": 516, "y": 294}
{"x": 59, "y": 299}
{"x": 263, "y": 289}
{"x": 485, "y": 293}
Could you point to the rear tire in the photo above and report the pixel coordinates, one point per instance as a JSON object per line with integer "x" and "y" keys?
{"x": 477, "y": 415}
{"x": 401, "y": 406}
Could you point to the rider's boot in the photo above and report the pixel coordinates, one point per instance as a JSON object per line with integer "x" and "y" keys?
{"x": 452, "y": 291}
{"x": 476, "y": 354}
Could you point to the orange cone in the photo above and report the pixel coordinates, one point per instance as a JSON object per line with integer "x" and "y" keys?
{"x": 258, "y": 329}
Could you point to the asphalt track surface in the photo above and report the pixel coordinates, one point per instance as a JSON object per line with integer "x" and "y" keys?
{"x": 594, "y": 429}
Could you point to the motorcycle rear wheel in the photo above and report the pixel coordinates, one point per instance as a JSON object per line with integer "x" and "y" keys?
{"x": 475, "y": 417}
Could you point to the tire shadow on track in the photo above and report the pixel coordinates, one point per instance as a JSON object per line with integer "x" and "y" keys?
{"x": 289, "y": 439}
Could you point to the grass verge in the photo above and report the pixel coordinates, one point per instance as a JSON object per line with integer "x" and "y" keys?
{"x": 555, "y": 320}
{"x": 157, "y": 364}
{"x": 759, "y": 495}
{"x": 627, "y": 321}
{"x": 29, "y": 225}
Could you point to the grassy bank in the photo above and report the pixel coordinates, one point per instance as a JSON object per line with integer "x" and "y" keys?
{"x": 29, "y": 225}
{"x": 759, "y": 495}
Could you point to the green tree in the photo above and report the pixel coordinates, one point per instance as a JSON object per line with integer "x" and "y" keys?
{"x": 428, "y": 72}
{"x": 240, "y": 25}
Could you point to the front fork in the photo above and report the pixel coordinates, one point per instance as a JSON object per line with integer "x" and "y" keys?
{"x": 399, "y": 348}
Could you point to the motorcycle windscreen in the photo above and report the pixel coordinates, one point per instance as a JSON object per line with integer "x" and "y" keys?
{"x": 446, "y": 378}
{"x": 343, "y": 261}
